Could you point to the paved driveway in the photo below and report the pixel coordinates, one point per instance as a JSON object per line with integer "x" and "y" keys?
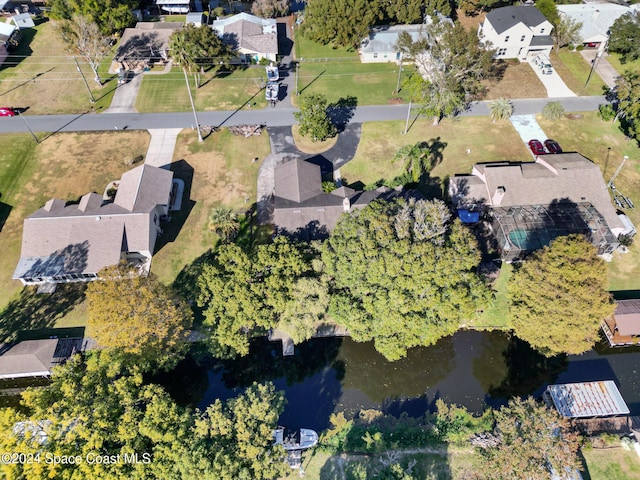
{"x": 603, "y": 67}
{"x": 553, "y": 83}
{"x": 528, "y": 128}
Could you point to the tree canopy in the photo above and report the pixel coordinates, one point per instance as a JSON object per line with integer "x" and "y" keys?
{"x": 403, "y": 274}
{"x": 566, "y": 31}
{"x": 97, "y": 407}
{"x": 625, "y": 37}
{"x": 243, "y": 292}
{"x": 626, "y": 98}
{"x": 446, "y": 81}
{"x": 110, "y": 15}
{"x": 314, "y": 119}
{"x": 270, "y": 8}
{"x": 138, "y": 316}
{"x": 559, "y": 297}
{"x": 531, "y": 440}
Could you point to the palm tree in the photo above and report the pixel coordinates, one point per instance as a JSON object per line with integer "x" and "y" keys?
{"x": 500, "y": 109}
{"x": 553, "y": 111}
{"x": 224, "y": 223}
{"x": 182, "y": 53}
{"x": 418, "y": 159}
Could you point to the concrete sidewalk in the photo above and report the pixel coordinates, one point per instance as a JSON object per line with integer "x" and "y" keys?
{"x": 161, "y": 147}
{"x": 553, "y": 83}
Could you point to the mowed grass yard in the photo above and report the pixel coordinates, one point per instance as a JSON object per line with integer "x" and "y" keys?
{"x": 592, "y": 137}
{"x": 223, "y": 174}
{"x": 574, "y": 70}
{"x": 611, "y": 464}
{"x": 65, "y": 166}
{"x": 41, "y": 76}
{"x": 468, "y": 140}
{"x": 224, "y": 91}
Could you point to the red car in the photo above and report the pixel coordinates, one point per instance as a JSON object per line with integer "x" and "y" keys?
{"x": 536, "y": 147}
{"x": 552, "y": 146}
{"x": 7, "y": 112}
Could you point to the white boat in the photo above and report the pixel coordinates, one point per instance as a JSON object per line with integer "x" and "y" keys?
{"x": 273, "y": 75}
{"x": 272, "y": 92}
{"x": 295, "y": 440}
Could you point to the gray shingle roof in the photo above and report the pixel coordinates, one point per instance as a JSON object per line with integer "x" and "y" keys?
{"x": 249, "y": 32}
{"x": 28, "y": 358}
{"x": 627, "y": 317}
{"x": 83, "y": 238}
{"x": 502, "y": 19}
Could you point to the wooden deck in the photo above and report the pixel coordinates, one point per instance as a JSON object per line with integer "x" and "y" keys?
{"x": 615, "y": 339}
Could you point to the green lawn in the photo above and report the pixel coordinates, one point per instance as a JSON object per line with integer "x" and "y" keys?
{"x": 495, "y": 316}
{"x": 611, "y": 464}
{"x": 369, "y": 83}
{"x": 218, "y": 172}
{"x": 307, "y": 49}
{"x": 592, "y": 137}
{"x": 168, "y": 92}
{"x": 614, "y": 60}
{"x": 468, "y": 140}
{"x": 42, "y": 76}
{"x": 574, "y": 70}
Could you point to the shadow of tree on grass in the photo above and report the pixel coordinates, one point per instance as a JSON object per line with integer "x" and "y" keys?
{"x": 32, "y": 310}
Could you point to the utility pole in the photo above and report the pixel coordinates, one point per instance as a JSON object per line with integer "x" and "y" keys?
{"x": 93, "y": 100}
{"x": 406, "y": 126}
{"x": 28, "y": 127}
{"x": 399, "y": 72}
{"x": 193, "y": 106}
{"x": 297, "y": 77}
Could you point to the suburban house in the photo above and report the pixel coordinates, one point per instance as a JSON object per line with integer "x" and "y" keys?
{"x": 380, "y": 45}
{"x": 528, "y": 204}
{"x": 623, "y": 328}
{"x": 254, "y": 38}
{"x": 302, "y": 209}
{"x": 35, "y": 358}
{"x": 146, "y": 43}
{"x": 23, "y": 20}
{"x": 64, "y": 242}
{"x": 596, "y": 20}
{"x": 516, "y": 32}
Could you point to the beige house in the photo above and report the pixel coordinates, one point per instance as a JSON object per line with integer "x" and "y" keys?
{"x": 530, "y": 203}
{"x": 304, "y": 210}
{"x": 72, "y": 243}
{"x": 516, "y": 32}
{"x": 254, "y": 38}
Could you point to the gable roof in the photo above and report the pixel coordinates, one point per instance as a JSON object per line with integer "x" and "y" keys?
{"x": 147, "y": 39}
{"x": 85, "y": 237}
{"x": 566, "y": 176}
{"x": 23, "y": 20}
{"x": 28, "y": 359}
{"x": 297, "y": 180}
{"x": 384, "y": 39}
{"x": 249, "y": 32}
{"x": 627, "y": 316}
{"x": 596, "y": 18}
{"x": 6, "y": 29}
{"x": 502, "y": 19}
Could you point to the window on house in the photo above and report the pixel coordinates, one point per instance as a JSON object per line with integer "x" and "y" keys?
{"x": 522, "y": 38}
{"x": 501, "y": 52}
{"x": 506, "y": 39}
{"x": 375, "y": 55}
{"x": 541, "y": 30}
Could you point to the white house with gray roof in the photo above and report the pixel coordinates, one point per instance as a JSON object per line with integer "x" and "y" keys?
{"x": 380, "y": 45}
{"x": 254, "y": 38}
{"x": 72, "y": 242}
{"x": 596, "y": 20}
{"x": 516, "y": 32}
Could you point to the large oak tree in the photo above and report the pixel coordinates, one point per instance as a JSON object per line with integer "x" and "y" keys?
{"x": 138, "y": 316}
{"x": 559, "y": 297}
{"x": 404, "y": 274}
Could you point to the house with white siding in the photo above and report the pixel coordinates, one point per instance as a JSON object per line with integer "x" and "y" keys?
{"x": 516, "y": 32}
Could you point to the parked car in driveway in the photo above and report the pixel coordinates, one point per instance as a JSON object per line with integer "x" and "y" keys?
{"x": 7, "y": 112}
{"x": 536, "y": 147}
{"x": 552, "y": 146}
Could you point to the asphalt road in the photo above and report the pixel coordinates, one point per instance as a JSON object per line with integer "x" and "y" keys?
{"x": 268, "y": 116}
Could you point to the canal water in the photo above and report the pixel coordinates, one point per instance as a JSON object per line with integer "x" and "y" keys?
{"x": 471, "y": 368}
{"x": 328, "y": 375}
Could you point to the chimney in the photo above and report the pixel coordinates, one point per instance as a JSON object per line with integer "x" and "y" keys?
{"x": 498, "y": 195}
{"x": 346, "y": 204}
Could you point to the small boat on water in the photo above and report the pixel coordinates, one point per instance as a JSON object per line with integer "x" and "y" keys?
{"x": 295, "y": 439}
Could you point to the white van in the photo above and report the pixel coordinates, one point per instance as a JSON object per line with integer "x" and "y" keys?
{"x": 543, "y": 63}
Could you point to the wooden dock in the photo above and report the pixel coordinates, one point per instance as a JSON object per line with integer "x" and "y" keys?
{"x": 326, "y": 329}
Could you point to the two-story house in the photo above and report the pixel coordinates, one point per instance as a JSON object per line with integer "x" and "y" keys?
{"x": 516, "y": 32}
